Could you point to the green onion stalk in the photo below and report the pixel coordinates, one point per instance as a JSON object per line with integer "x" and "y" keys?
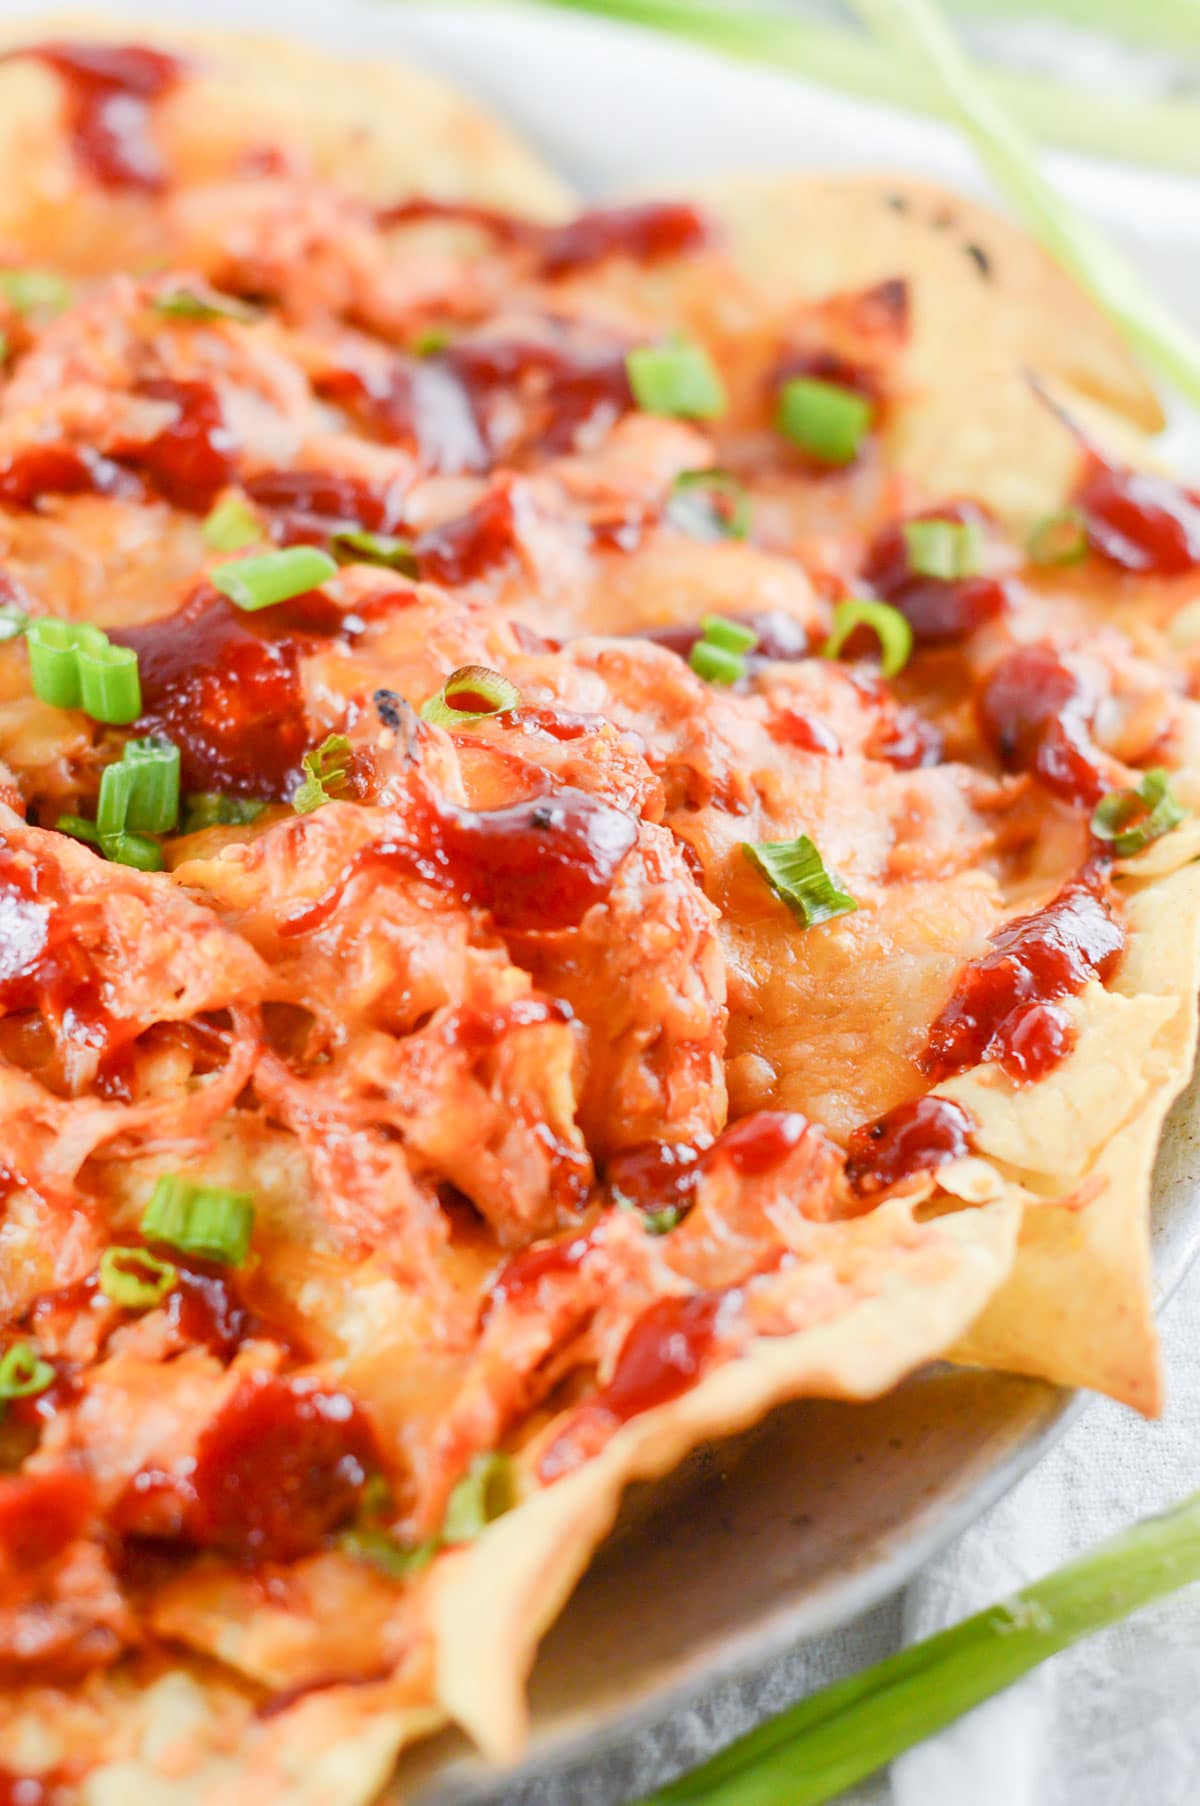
{"x": 838, "y": 1736}
{"x": 1163, "y": 133}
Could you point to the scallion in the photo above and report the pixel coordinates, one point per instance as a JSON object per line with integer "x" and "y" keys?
{"x": 54, "y": 661}
{"x": 888, "y": 625}
{"x": 800, "y": 878}
{"x": 948, "y": 549}
{"x": 471, "y": 693}
{"x": 135, "y": 1279}
{"x": 728, "y": 634}
{"x": 840, "y": 1735}
{"x": 36, "y": 291}
{"x": 429, "y": 341}
{"x": 231, "y": 524}
{"x": 23, "y": 1372}
{"x": 267, "y": 578}
{"x": 826, "y": 420}
{"x": 715, "y": 664}
{"x": 325, "y": 773}
{"x": 486, "y": 1491}
{"x": 79, "y": 829}
{"x": 137, "y": 850}
{"x": 109, "y": 687}
{"x": 207, "y": 1221}
{"x": 677, "y": 378}
{"x": 203, "y": 303}
{"x": 1059, "y": 539}
{"x": 213, "y": 809}
{"x": 709, "y": 504}
{"x": 1130, "y": 819}
{"x": 354, "y": 545}
{"x": 13, "y": 621}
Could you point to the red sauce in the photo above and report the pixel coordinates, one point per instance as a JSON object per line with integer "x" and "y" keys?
{"x": 465, "y": 548}
{"x": 661, "y": 1357}
{"x": 41, "y": 1513}
{"x": 419, "y": 403}
{"x": 558, "y": 388}
{"x": 807, "y": 732}
{"x": 906, "y": 741}
{"x": 195, "y": 455}
{"x": 1037, "y": 1038}
{"x": 111, "y": 90}
{"x": 526, "y": 1270}
{"x": 653, "y": 230}
{"x": 1035, "y": 714}
{"x": 1033, "y": 961}
{"x": 26, "y": 476}
{"x": 280, "y": 1467}
{"x": 664, "y": 1173}
{"x": 204, "y": 1308}
{"x": 29, "y": 1790}
{"x": 913, "y": 1138}
{"x": 44, "y": 960}
{"x": 1140, "y": 521}
{"x": 938, "y": 609}
{"x": 328, "y": 498}
{"x": 538, "y": 866}
{"x": 228, "y": 695}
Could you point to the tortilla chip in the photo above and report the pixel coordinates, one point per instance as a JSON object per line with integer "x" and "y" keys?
{"x": 493, "y": 1600}
{"x": 1078, "y": 1307}
{"x": 379, "y": 128}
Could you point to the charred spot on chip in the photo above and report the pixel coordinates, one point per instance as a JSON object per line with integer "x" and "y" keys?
{"x": 980, "y": 258}
{"x": 390, "y": 707}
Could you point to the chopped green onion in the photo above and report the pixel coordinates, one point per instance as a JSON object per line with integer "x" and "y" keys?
{"x": 838, "y": 1736}
{"x": 354, "y": 545}
{"x": 206, "y": 1221}
{"x": 137, "y": 850}
{"x": 377, "y": 1546}
{"x": 112, "y": 809}
{"x": 716, "y": 665}
{"x": 203, "y": 303}
{"x": 486, "y": 1491}
{"x": 913, "y": 27}
{"x": 944, "y": 548}
{"x": 824, "y": 419}
{"x": 1059, "y": 539}
{"x": 212, "y": 809}
{"x": 661, "y": 1220}
{"x": 800, "y": 878}
{"x": 78, "y": 828}
{"x": 325, "y": 774}
{"x": 729, "y": 635}
{"x": 267, "y": 578}
{"x": 678, "y": 378}
{"x": 110, "y": 690}
{"x": 471, "y": 693}
{"x": 709, "y": 504}
{"x": 429, "y": 341}
{"x": 154, "y": 804}
{"x": 888, "y": 625}
{"x": 136, "y": 1279}
{"x": 73, "y": 665}
{"x": 54, "y": 661}
{"x": 36, "y": 291}
{"x": 1131, "y": 819}
{"x": 13, "y": 621}
{"x": 231, "y": 524}
{"x": 23, "y": 1373}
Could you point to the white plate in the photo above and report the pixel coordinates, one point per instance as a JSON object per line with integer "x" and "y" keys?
{"x": 757, "y": 1545}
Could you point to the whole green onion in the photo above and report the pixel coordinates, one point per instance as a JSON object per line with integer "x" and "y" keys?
{"x": 838, "y": 1736}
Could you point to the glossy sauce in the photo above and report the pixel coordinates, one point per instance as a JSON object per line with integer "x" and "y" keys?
{"x": 44, "y": 961}
{"x": 557, "y": 388}
{"x": 228, "y": 695}
{"x": 1140, "y": 521}
{"x": 327, "y": 499}
{"x": 658, "y": 1174}
{"x": 30, "y": 1790}
{"x": 195, "y": 455}
{"x": 1034, "y": 961}
{"x": 523, "y": 1274}
{"x": 645, "y": 233}
{"x": 538, "y": 866}
{"x": 939, "y": 610}
{"x": 662, "y": 1355}
{"x": 26, "y": 476}
{"x": 111, "y": 90}
{"x": 475, "y": 542}
{"x": 1035, "y": 714}
{"x": 280, "y": 1467}
{"x": 41, "y": 1513}
{"x": 916, "y": 1137}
